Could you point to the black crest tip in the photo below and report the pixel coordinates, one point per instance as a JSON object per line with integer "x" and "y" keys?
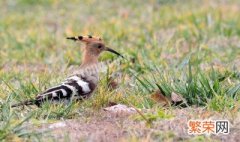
{"x": 72, "y": 38}
{"x": 80, "y": 37}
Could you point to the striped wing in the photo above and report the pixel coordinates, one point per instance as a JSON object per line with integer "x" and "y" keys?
{"x": 74, "y": 87}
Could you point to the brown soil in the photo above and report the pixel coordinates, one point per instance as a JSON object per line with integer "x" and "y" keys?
{"x": 104, "y": 126}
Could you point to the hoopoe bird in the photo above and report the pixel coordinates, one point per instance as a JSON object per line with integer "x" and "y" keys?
{"x": 79, "y": 85}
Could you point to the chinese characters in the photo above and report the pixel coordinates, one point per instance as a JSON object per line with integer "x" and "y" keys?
{"x": 208, "y": 127}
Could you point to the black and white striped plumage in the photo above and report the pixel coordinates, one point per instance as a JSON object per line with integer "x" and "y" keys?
{"x": 74, "y": 87}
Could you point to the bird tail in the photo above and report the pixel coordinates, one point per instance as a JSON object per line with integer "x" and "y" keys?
{"x": 28, "y": 102}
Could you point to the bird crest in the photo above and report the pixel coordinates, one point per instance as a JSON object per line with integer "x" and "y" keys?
{"x": 86, "y": 39}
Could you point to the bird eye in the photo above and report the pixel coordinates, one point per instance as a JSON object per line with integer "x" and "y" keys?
{"x": 99, "y": 46}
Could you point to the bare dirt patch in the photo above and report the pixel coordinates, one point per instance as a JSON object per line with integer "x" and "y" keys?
{"x": 104, "y": 126}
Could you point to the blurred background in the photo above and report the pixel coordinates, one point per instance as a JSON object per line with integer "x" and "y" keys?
{"x": 158, "y": 30}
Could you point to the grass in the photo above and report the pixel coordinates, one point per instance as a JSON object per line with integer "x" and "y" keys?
{"x": 178, "y": 46}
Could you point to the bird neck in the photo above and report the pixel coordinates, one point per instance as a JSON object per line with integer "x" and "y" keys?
{"x": 88, "y": 59}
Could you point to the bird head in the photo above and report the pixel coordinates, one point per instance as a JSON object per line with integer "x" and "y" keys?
{"x": 94, "y": 45}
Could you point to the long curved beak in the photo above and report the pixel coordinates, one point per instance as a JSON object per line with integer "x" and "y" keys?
{"x": 113, "y": 51}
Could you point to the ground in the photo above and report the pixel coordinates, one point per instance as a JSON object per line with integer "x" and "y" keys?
{"x": 187, "y": 48}
{"x": 107, "y": 126}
